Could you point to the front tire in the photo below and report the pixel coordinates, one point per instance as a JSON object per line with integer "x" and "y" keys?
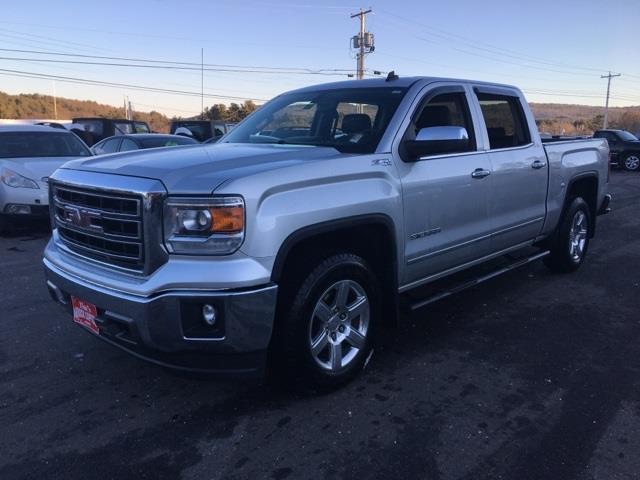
{"x": 631, "y": 162}
{"x": 324, "y": 333}
{"x": 571, "y": 242}
{"x": 5, "y": 228}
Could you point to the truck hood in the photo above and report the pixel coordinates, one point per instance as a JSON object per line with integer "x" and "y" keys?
{"x": 202, "y": 168}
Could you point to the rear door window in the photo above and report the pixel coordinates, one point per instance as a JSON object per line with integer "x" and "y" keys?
{"x": 128, "y": 144}
{"x": 505, "y": 120}
{"x": 107, "y": 146}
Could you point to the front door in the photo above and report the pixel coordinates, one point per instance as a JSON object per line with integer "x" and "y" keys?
{"x": 446, "y": 196}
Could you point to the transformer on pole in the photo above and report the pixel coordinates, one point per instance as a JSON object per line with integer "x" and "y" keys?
{"x": 363, "y": 42}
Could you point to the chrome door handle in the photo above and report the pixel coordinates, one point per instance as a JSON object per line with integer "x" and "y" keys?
{"x": 480, "y": 173}
{"x": 538, "y": 164}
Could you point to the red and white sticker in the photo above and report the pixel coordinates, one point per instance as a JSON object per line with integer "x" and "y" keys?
{"x": 85, "y": 313}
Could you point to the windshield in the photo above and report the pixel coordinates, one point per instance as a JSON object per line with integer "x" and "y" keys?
{"x": 627, "y": 136}
{"x": 41, "y": 144}
{"x": 349, "y": 120}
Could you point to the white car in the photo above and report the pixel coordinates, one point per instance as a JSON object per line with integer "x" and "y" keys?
{"x": 28, "y": 155}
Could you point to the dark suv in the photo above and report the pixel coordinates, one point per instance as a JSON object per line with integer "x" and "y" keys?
{"x": 624, "y": 147}
{"x": 94, "y": 129}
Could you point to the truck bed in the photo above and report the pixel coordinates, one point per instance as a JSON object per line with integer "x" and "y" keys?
{"x": 569, "y": 159}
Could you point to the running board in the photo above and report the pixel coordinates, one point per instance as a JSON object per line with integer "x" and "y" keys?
{"x": 475, "y": 281}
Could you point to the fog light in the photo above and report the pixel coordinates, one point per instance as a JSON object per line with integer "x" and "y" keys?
{"x": 18, "y": 209}
{"x": 209, "y": 314}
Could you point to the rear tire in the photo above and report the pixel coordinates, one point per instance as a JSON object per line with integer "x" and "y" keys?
{"x": 571, "y": 242}
{"x": 324, "y": 332}
{"x": 631, "y": 162}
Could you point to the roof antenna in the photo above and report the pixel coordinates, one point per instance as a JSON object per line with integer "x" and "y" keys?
{"x": 392, "y": 76}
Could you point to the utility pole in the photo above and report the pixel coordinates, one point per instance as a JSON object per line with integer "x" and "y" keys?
{"x": 606, "y": 107}
{"x": 202, "y": 84}
{"x": 363, "y": 42}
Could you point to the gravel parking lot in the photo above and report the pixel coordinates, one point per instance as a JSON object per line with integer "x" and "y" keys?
{"x": 532, "y": 375}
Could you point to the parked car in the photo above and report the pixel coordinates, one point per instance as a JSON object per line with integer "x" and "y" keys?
{"x": 139, "y": 141}
{"x": 29, "y": 154}
{"x": 297, "y": 249}
{"x": 52, "y": 125}
{"x": 624, "y": 147}
{"x": 97, "y": 128}
{"x": 202, "y": 130}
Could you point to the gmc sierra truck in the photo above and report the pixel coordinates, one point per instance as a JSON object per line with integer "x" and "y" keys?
{"x": 302, "y": 232}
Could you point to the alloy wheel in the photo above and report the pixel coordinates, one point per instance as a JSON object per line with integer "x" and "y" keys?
{"x": 339, "y": 325}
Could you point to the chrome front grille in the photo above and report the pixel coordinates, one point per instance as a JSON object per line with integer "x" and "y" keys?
{"x": 104, "y": 226}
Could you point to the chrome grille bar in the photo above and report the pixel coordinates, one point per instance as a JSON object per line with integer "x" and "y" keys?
{"x": 104, "y": 226}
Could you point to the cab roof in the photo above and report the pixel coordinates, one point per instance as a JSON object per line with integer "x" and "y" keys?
{"x": 400, "y": 82}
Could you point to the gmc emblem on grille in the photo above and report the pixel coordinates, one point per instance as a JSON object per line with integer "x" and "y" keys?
{"x": 80, "y": 217}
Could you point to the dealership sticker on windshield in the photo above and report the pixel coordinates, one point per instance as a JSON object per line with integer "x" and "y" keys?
{"x": 85, "y": 313}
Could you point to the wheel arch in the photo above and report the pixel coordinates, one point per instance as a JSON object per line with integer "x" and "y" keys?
{"x": 584, "y": 185}
{"x": 371, "y": 236}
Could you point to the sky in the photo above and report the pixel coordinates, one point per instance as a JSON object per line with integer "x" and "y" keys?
{"x": 555, "y": 51}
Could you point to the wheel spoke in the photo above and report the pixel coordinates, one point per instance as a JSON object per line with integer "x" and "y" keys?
{"x": 357, "y": 307}
{"x": 342, "y": 294}
{"x": 336, "y": 356}
{"x": 320, "y": 343}
{"x": 322, "y": 311}
{"x": 355, "y": 338}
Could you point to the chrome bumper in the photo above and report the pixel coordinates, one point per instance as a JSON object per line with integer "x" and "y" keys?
{"x": 167, "y": 328}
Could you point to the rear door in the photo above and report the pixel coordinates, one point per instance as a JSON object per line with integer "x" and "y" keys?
{"x": 446, "y": 208}
{"x": 519, "y": 168}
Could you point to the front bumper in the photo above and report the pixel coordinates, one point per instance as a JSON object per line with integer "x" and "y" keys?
{"x": 36, "y": 199}
{"x": 167, "y": 329}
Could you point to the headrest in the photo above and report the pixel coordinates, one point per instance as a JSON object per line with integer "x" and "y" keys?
{"x": 356, "y": 123}
{"x": 434, "y": 116}
{"x": 495, "y": 132}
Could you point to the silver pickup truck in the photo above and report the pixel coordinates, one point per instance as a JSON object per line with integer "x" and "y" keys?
{"x": 303, "y": 231}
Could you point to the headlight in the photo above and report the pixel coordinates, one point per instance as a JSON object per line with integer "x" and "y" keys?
{"x": 212, "y": 225}
{"x": 15, "y": 180}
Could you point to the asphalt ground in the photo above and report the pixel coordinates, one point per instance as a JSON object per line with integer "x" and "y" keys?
{"x": 530, "y": 376}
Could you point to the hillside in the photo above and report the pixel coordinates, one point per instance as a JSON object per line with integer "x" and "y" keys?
{"x": 27, "y": 106}
{"x": 551, "y": 117}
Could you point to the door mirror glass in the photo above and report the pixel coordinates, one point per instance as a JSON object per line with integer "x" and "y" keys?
{"x": 438, "y": 140}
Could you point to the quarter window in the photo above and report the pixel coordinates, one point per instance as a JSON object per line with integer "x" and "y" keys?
{"x": 505, "y": 121}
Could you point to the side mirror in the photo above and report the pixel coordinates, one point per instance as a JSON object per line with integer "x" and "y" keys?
{"x": 437, "y": 140}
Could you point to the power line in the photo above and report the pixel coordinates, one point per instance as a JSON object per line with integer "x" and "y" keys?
{"x": 176, "y": 67}
{"x": 487, "y": 47}
{"x": 84, "y": 81}
{"x": 169, "y": 64}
